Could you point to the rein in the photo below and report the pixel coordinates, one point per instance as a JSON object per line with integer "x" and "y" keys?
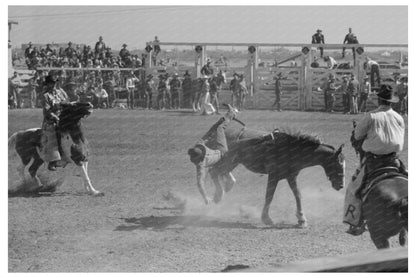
{"x": 243, "y": 129}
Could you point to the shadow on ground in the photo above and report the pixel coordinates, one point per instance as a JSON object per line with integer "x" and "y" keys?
{"x": 161, "y": 223}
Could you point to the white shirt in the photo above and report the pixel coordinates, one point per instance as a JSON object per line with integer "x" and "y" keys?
{"x": 383, "y": 129}
{"x": 130, "y": 82}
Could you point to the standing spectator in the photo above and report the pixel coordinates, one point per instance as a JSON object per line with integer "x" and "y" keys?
{"x": 235, "y": 89}
{"x": 187, "y": 90}
{"x": 243, "y": 91}
{"x": 315, "y": 63}
{"x": 213, "y": 90}
{"x": 206, "y": 69}
{"x": 345, "y": 94}
{"x": 329, "y": 93}
{"x": 70, "y": 52}
{"x": 99, "y": 48}
{"x": 148, "y": 89}
{"x": 331, "y": 63}
{"x": 350, "y": 38}
{"x": 278, "y": 92}
{"x": 14, "y": 97}
{"x": 175, "y": 86}
{"x": 162, "y": 92}
{"x": 374, "y": 68}
{"x": 32, "y": 90}
{"x": 28, "y": 51}
{"x": 365, "y": 91}
{"x": 353, "y": 89}
{"x": 402, "y": 94}
{"x": 207, "y": 107}
{"x": 16, "y": 83}
{"x": 125, "y": 55}
{"x": 130, "y": 86}
{"x": 318, "y": 38}
{"x": 48, "y": 50}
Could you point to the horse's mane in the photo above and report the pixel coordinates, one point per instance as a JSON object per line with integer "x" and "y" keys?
{"x": 303, "y": 138}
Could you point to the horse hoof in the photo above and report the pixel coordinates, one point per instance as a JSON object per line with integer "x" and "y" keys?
{"x": 98, "y": 194}
{"x": 302, "y": 225}
{"x": 267, "y": 221}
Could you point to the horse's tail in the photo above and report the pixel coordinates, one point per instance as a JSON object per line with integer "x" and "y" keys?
{"x": 12, "y": 140}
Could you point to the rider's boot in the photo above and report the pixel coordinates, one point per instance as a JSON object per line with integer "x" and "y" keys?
{"x": 53, "y": 165}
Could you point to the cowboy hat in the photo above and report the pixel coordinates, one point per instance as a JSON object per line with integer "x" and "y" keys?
{"x": 386, "y": 93}
{"x": 124, "y": 44}
{"x": 235, "y": 74}
{"x": 365, "y": 77}
{"x": 175, "y": 74}
{"x": 319, "y": 30}
{"x": 186, "y": 73}
{"x": 279, "y": 74}
{"x": 204, "y": 77}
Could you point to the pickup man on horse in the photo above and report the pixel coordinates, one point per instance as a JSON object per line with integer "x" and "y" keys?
{"x": 51, "y": 109}
{"x": 382, "y": 134}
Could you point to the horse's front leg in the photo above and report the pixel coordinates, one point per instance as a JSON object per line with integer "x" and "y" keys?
{"x": 271, "y": 188}
{"x": 87, "y": 182}
{"x": 298, "y": 197}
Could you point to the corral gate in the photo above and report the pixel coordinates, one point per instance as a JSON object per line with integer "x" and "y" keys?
{"x": 300, "y": 83}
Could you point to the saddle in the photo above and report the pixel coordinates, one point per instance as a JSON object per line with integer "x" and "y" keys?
{"x": 373, "y": 178}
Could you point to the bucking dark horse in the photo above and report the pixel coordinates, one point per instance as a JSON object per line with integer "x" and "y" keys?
{"x": 74, "y": 149}
{"x": 282, "y": 158}
{"x": 385, "y": 199}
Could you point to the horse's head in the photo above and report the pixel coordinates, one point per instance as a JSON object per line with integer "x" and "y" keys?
{"x": 72, "y": 113}
{"x": 335, "y": 169}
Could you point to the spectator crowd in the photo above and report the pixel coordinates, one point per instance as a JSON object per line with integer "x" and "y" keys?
{"x": 100, "y": 56}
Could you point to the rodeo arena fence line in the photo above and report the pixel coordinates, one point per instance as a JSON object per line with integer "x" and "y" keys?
{"x": 301, "y": 83}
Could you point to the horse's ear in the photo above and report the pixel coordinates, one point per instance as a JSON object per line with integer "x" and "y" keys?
{"x": 354, "y": 123}
{"x": 339, "y": 151}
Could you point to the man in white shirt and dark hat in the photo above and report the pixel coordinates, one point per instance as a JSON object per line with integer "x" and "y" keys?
{"x": 382, "y": 132}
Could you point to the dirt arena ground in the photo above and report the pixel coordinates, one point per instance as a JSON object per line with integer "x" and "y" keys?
{"x": 137, "y": 157}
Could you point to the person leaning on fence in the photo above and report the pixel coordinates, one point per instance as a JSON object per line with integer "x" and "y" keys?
{"x": 331, "y": 63}
{"x": 365, "y": 91}
{"x": 51, "y": 104}
{"x": 374, "y": 68}
{"x": 318, "y": 38}
{"x": 130, "y": 86}
{"x": 382, "y": 132}
{"x": 353, "y": 89}
{"x": 315, "y": 63}
{"x": 278, "y": 92}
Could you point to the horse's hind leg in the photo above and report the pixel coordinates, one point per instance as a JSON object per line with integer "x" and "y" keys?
{"x": 403, "y": 237}
{"x": 298, "y": 197}
{"x": 34, "y": 168}
{"x": 271, "y": 188}
{"x": 380, "y": 241}
{"x": 87, "y": 182}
